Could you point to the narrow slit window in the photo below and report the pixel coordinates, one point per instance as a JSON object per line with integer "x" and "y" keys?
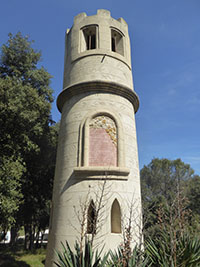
{"x": 117, "y": 42}
{"x": 115, "y": 217}
{"x": 91, "y": 219}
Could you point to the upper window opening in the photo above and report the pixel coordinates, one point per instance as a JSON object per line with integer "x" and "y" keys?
{"x": 90, "y": 37}
{"x": 117, "y": 42}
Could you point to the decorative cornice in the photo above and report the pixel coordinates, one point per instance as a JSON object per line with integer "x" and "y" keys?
{"x": 102, "y": 172}
{"x": 98, "y": 87}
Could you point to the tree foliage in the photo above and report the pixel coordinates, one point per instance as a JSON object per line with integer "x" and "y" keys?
{"x": 169, "y": 190}
{"x": 28, "y": 138}
{"x": 10, "y": 190}
{"x": 164, "y": 178}
{"x": 25, "y": 97}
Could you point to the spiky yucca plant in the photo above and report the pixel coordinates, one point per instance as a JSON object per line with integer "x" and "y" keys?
{"x": 78, "y": 258}
{"x": 135, "y": 258}
{"x": 187, "y": 253}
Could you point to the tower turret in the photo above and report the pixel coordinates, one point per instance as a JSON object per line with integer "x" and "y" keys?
{"x": 97, "y": 156}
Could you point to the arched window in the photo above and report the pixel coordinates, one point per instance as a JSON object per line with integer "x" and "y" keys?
{"x": 91, "y": 218}
{"x": 102, "y": 141}
{"x": 101, "y": 147}
{"x": 117, "y": 42}
{"x": 115, "y": 217}
{"x": 89, "y": 38}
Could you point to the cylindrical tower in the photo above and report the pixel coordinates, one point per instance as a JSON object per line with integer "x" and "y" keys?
{"x": 97, "y": 174}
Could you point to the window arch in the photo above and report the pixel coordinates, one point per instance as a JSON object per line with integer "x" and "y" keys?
{"x": 102, "y": 141}
{"x": 106, "y": 127}
{"x": 115, "y": 217}
{"x": 89, "y": 39}
{"x": 91, "y": 218}
{"x": 117, "y": 42}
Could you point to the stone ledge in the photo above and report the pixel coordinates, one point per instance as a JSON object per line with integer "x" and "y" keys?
{"x": 96, "y": 87}
{"x": 95, "y": 172}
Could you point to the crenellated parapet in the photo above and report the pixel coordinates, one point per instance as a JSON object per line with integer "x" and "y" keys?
{"x": 98, "y": 48}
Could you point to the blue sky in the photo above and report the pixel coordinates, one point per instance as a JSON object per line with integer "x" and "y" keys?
{"x": 165, "y": 43}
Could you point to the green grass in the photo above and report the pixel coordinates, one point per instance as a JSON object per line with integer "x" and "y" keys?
{"x": 20, "y": 258}
{"x": 32, "y": 260}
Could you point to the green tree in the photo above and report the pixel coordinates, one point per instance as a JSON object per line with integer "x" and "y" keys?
{"x": 193, "y": 195}
{"x": 170, "y": 192}
{"x": 10, "y": 190}
{"x": 37, "y": 187}
{"x": 27, "y": 141}
{"x": 163, "y": 181}
{"x": 164, "y": 177}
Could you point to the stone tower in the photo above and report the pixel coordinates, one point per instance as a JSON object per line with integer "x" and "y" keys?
{"x": 97, "y": 148}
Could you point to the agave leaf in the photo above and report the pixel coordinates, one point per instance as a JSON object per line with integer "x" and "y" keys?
{"x": 105, "y": 259}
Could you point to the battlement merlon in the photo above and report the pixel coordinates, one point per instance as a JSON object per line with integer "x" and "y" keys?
{"x": 101, "y": 13}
